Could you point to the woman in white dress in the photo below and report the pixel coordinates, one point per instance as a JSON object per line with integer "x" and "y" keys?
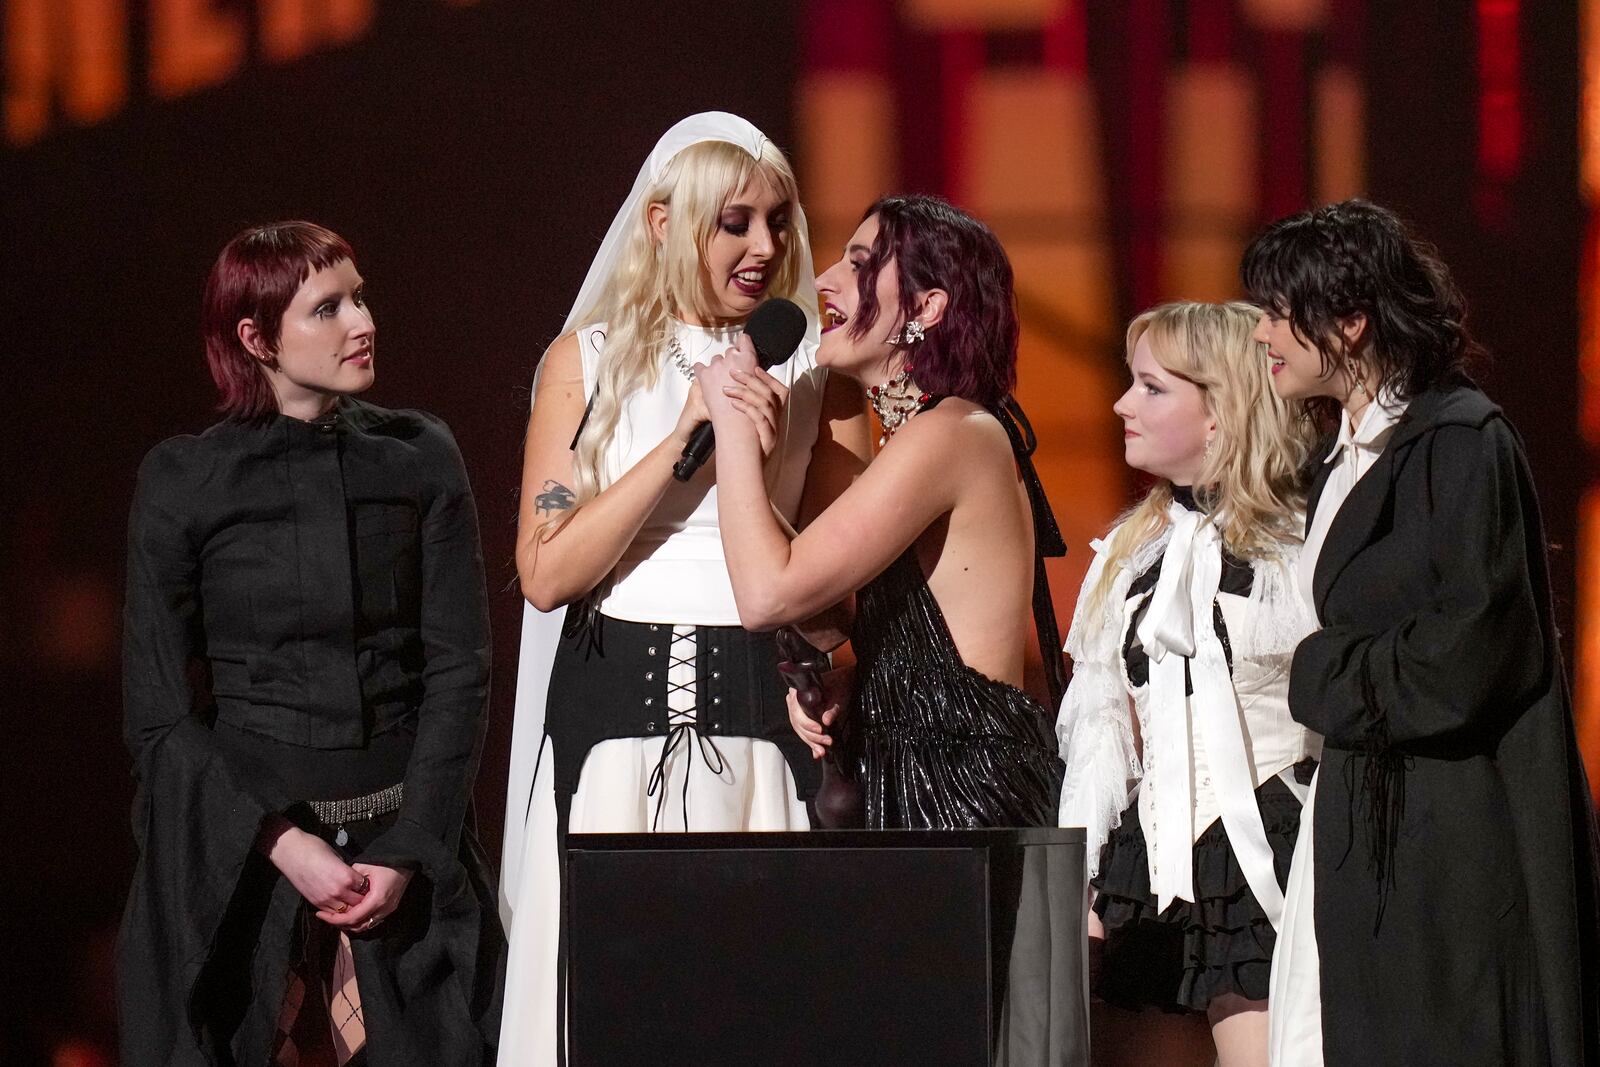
{"x": 644, "y": 705}
{"x": 1182, "y": 760}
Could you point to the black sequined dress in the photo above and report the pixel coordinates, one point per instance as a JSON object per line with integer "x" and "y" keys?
{"x": 941, "y": 746}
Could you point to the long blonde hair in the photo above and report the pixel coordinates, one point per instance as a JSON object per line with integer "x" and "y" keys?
{"x": 655, "y": 281}
{"x": 1251, "y": 479}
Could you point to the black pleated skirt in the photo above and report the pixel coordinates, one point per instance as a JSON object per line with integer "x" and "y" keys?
{"x": 1188, "y": 955}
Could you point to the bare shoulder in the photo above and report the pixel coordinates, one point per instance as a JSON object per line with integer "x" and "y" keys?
{"x": 559, "y": 400}
{"x": 958, "y": 428}
{"x": 562, "y": 363}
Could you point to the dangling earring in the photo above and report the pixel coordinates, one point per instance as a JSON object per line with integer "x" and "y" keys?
{"x": 1352, "y": 369}
{"x": 909, "y": 334}
{"x": 1209, "y": 442}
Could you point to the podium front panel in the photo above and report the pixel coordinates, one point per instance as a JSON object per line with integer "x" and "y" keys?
{"x": 896, "y": 947}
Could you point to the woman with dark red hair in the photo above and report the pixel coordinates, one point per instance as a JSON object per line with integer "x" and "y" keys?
{"x": 942, "y": 535}
{"x": 306, "y": 671}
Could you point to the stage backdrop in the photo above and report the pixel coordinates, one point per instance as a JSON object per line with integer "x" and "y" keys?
{"x": 473, "y": 151}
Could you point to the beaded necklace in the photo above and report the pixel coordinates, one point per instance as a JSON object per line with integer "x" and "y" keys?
{"x": 895, "y": 401}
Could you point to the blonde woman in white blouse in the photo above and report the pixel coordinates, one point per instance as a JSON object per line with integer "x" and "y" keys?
{"x": 1182, "y": 760}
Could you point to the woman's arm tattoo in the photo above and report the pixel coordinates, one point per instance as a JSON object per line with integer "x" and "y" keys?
{"x": 556, "y": 497}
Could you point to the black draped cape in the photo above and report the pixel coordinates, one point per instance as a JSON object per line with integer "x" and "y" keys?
{"x": 325, "y": 581}
{"x": 1455, "y": 879}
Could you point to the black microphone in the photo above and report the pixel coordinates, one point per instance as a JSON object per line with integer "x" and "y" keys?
{"x": 775, "y": 329}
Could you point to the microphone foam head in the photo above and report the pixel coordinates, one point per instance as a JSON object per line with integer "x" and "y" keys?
{"x": 775, "y": 329}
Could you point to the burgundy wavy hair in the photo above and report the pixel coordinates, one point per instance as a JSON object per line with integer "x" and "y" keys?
{"x": 256, "y": 277}
{"x": 972, "y": 352}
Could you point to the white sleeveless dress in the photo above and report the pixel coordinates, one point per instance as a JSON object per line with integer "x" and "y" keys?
{"x": 673, "y": 573}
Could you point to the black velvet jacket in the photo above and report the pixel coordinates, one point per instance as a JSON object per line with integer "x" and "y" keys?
{"x": 327, "y": 577}
{"x": 1455, "y": 864}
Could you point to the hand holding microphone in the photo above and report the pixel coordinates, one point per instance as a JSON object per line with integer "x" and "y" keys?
{"x": 775, "y": 331}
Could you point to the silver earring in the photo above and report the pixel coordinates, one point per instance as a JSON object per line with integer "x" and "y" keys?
{"x": 911, "y": 333}
{"x": 1209, "y": 441}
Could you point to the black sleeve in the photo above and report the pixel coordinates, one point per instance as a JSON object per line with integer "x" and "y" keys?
{"x": 195, "y": 816}
{"x": 1476, "y": 650}
{"x": 455, "y": 641}
{"x": 162, "y": 639}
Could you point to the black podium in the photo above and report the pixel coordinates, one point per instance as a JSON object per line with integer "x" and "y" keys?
{"x": 832, "y": 947}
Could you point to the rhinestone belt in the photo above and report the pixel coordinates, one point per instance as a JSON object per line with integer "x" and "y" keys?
{"x": 357, "y": 809}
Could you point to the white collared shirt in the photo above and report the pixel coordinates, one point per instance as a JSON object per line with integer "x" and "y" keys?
{"x": 1354, "y": 453}
{"x": 1295, "y": 1023}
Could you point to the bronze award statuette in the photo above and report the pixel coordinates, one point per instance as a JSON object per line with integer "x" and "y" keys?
{"x": 839, "y": 803}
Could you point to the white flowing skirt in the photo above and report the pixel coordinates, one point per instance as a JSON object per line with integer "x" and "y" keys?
{"x": 753, "y": 791}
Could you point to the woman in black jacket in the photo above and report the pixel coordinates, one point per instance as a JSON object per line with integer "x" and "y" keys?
{"x": 1449, "y": 871}
{"x": 306, "y": 671}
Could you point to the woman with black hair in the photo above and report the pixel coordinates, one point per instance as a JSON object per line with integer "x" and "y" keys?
{"x": 1441, "y": 909}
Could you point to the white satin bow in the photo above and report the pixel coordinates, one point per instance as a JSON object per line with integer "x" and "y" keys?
{"x": 1178, "y": 631}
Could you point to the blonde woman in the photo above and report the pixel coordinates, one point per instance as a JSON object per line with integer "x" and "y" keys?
{"x": 1182, "y": 760}
{"x": 645, "y": 705}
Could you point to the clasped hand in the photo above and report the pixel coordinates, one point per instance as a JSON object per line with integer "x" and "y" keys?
{"x": 814, "y": 726}
{"x": 738, "y": 394}
{"x": 351, "y": 896}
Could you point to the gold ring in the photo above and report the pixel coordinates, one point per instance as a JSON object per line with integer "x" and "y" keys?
{"x": 342, "y": 908}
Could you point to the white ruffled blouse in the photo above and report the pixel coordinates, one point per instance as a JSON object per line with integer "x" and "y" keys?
{"x": 1203, "y": 753}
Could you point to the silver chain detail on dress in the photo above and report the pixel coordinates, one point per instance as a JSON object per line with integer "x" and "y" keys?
{"x": 681, "y": 361}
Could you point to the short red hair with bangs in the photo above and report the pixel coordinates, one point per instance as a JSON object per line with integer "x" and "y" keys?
{"x": 256, "y": 277}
